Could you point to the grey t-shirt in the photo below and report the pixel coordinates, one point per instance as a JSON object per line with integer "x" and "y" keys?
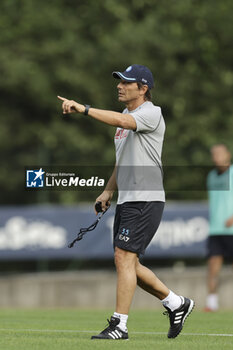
{"x": 138, "y": 156}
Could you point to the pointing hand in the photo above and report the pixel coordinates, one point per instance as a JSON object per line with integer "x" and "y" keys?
{"x": 70, "y": 106}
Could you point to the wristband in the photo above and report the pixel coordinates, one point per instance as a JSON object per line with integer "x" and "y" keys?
{"x": 87, "y": 107}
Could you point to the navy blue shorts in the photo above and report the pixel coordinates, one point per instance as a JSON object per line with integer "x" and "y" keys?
{"x": 135, "y": 225}
{"x": 220, "y": 245}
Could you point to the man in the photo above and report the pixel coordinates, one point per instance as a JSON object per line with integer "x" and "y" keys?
{"x": 138, "y": 141}
{"x": 220, "y": 240}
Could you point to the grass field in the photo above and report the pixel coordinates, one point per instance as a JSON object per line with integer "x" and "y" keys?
{"x": 71, "y": 329}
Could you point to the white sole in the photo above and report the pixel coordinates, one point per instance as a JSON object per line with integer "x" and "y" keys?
{"x": 190, "y": 309}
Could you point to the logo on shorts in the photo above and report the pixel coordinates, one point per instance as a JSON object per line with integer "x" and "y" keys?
{"x": 124, "y": 235}
{"x": 35, "y": 178}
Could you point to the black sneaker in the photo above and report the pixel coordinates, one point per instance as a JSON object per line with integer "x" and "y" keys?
{"x": 178, "y": 316}
{"x": 112, "y": 331}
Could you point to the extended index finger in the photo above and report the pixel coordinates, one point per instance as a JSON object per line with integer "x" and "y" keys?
{"x": 62, "y": 98}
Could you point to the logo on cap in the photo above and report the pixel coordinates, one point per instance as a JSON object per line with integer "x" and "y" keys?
{"x": 129, "y": 69}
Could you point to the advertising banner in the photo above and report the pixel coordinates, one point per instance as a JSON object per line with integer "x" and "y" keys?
{"x": 44, "y": 232}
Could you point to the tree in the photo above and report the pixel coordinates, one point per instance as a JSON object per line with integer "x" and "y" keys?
{"x": 71, "y": 47}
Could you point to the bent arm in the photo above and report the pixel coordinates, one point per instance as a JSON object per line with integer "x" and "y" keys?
{"x": 229, "y": 222}
{"x": 107, "y": 194}
{"x": 112, "y": 184}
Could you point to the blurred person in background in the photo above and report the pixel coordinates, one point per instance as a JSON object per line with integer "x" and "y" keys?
{"x": 220, "y": 240}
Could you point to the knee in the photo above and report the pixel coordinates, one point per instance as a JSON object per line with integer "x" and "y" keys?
{"x": 119, "y": 257}
{"x": 215, "y": 264}
{"x": 124, "y": 259}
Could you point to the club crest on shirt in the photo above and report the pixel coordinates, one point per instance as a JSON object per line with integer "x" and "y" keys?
{"x": 121, "y": 133}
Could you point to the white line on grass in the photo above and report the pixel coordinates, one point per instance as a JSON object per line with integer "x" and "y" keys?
{"x": 83, "y": 331}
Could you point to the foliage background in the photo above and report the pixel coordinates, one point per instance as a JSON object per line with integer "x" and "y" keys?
{"x": 70, "y": 48}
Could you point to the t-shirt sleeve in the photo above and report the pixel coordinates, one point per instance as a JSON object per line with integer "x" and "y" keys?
{"x": 147, "y": 120}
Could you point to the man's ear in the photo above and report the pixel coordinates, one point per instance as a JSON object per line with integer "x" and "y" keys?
{"x": 143, "y": 89}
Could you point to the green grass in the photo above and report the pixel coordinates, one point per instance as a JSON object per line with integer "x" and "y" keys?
{"x": 61, "y": 329}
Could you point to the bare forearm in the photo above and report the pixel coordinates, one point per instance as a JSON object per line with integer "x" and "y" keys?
{"x": 229, "y": 222}
{"x": 107, "y": 117}
{"x": 107, "y": 194}
{"x": 125, "y": 121}
{"x": 112, "y": 185}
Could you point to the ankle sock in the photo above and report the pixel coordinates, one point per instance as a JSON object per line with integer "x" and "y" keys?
{"x": 172, "y": 301}
{"x": 212, "y": 302}
{"x": 123, "y": 321}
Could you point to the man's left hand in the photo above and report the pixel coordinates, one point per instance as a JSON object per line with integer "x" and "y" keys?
{"x": 229, "y": 222}
{"x": 70, "y": 106}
